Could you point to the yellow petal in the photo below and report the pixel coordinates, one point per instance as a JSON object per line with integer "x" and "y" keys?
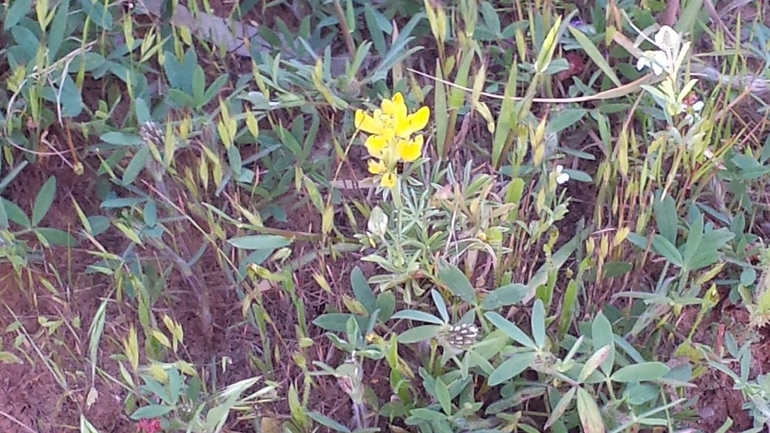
{"x": 377, "y": 167}
{"x": 388, "y": 180}
{"x": 367, "y": 123}
{"x": 375, "y": 145}
{"x": 419, "y": 120}
{"x": 410, "y": 150}
{"x": 415, "y": 122}
{"x": 399, "y": 107}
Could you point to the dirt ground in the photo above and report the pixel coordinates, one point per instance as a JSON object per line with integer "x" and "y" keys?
{"x": 47, "y": 390}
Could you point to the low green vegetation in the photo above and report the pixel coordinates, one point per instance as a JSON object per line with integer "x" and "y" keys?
{"x": 475, "y": 216}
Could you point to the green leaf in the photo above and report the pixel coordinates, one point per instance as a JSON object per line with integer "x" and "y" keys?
{"x": 69, "y": 97}
{"x": 510, "y": 294}
{"x": 665, "y": 248}
{"x": 512, "y": 367}
{"x": 386, "y": 303}
{"x": 57, "y": 237}
{"x": 599, "y": 357}
{"x": 44, "y": 200}
{"x": 418, "y": 316}
{"x": 327, "y": 422}
{"x": 538, "y": 323}
{"x": 564, "y": 119}
{"x": 419, "y": 333}
{"x": 17, "y": 11}
{"x": 457, "y": 283}
{"x": 98, "y": 13}
{"x": 3, "y": 217}
{"x": 427, "y": 415}
{"x": 616, "y": 269}
{"x": 440, "y": 305}
{"x": 561, "y": 407}
{"x": 15, "y": 214}
{"x": 259, "y": 242}
{"x": 693, "y": 242}
{"x": 362, "y": 291}
{"x": 337, "y": 322}
{"x": 641, "y": 372}
{"x": 602, "y": 336}
{"x": 377, "y": 24}
{"x": 151, "y": 411}
{"x": 137, "y": 164}
{"x": 510, "y": 329}
{"x": 666, "y": 217}
{"x": 121, "y": 139}
{"x": 588, "y": 411}
{"x": 595, "y": 55}
{"x": 443, "y": 397}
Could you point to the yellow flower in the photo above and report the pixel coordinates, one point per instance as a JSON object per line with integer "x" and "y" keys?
{"x": 370, "y": 124}
{"x": 377, "y": 167}
{"x": 409, "y": 151}
{"x": 376, "y": 145}
{"x": 388, "y": 180}
{"x": 392, "y": 119}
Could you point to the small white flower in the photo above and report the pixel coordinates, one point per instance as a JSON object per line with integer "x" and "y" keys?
{"x": 698, "y": 106}
{"x": 378, "y": 222}
{"x": 667, "y": 39}
{"x": 658, "y": 61}
{"x": 561, "y": 176}
{"x": 662, "y": 60}
{"x": 693, "y": 111}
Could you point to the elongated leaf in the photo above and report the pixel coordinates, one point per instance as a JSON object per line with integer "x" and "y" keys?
{"x": 418, "y": 316}
{"x": 506, "y": 295}
{"x": 511, "y": 367}
{"x": 456, "y": 281}
{"x": 602, "y": 336}
{"x": 538, "y": 323}
{"x": 561, "y": 407}
{"x": 328, "y": 422}
{"x": 137, "y": 164}
{"x": 16, "y": 214}
{"x": 641, "y": 372}
{"x": 57, "y": 237}
{"x": 594, "y": 54}
{"x": 666, "y": 249}
{"x": 337, "y": 322}
{"x": 362, "y": 291}
{"x": 693, "y": 242}
{"x": 510, "y": 329}
{"x": 588, "y": 411}
{"x": 443, "y": 397}
{"x": 666, "y": 217}
{"x": 259, "y": 242}
{"x": 419, "y": 333}
{"x": 151, "y": 411}
{"x": 44, "y": 200}
{"x": 17, "y": 11}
